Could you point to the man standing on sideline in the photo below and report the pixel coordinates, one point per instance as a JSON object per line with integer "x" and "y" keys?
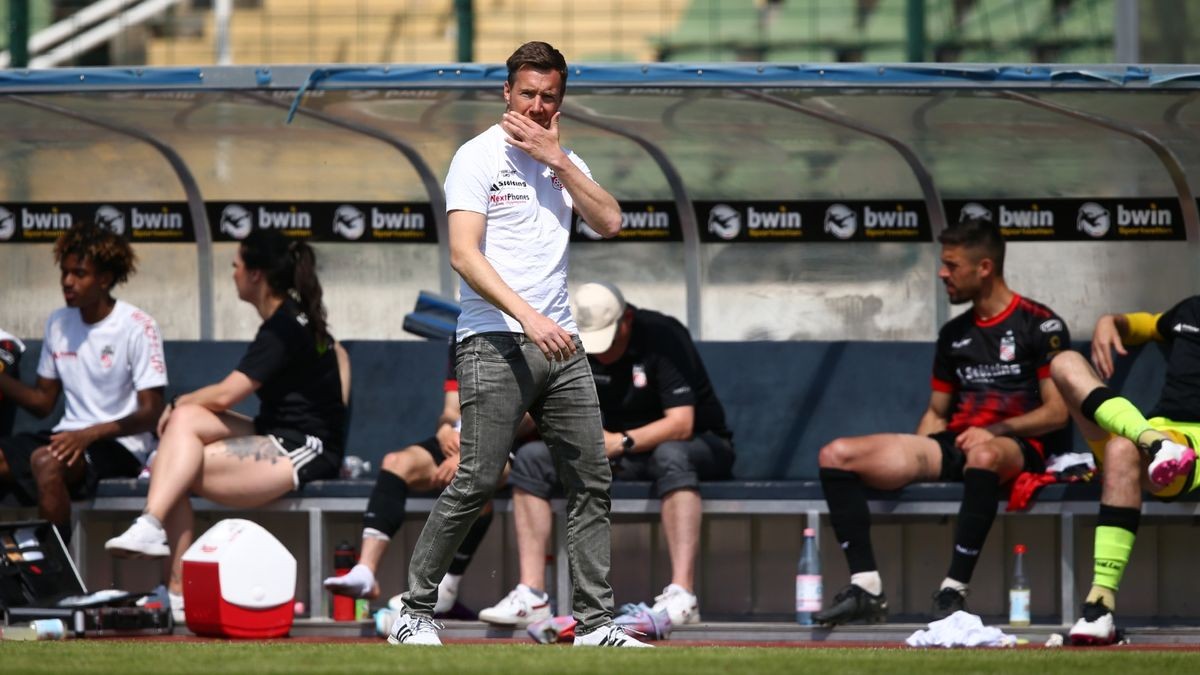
{"x": 993, "y": 413}
{"x": 662, "y": 422}
{"x": 510, "y": 195}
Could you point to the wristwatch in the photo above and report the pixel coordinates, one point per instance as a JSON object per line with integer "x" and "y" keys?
{"x": 627, "y": 443}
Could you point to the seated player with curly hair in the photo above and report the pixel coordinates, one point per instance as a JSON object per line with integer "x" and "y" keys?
{"x": 107, "y": 357}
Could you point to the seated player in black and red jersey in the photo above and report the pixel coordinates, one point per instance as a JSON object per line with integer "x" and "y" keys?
{"x": 993, "y": 412}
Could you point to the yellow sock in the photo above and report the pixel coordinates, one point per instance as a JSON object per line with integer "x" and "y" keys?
{"x": 1113, "y": 545}
{"x": 1118, "y": 416}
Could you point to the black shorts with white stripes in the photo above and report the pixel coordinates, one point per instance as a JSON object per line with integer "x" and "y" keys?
{"x": 310, "y": 460}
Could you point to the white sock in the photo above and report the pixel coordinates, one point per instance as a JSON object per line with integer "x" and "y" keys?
{"x": 151, "y": 520}
{"x": 870, "y": 582}
{"x": 447, "y": 593}
{"x": 541, "y": 595}
{"x": 358, "y": 582}
{"x": 955, "y": 584}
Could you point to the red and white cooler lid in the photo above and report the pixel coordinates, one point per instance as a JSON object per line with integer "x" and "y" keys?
{"x": 254, "y": 569}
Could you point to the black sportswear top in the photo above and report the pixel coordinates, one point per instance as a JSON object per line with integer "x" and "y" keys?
{"x": 660, "y": 369}
{"x": 1180, "y": 330}
{"x": 301, "y": 389}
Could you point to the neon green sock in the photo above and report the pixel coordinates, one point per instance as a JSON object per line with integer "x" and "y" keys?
{"x": 1113, "y": 545}
{"x": 1118, "y": 416}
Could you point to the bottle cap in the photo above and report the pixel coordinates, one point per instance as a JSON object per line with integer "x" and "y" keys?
{"x": 1019, "y": 548}
{"x": 809, "y": 532}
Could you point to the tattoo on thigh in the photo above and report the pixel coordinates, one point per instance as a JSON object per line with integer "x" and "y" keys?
{"x": 923, "y": 465}
{"x": 255, "y": 448}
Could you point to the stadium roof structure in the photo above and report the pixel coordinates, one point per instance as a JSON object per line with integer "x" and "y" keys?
{"x": 673, "y": 134}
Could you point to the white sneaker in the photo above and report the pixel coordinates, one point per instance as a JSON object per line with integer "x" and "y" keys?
{"x": 611, "y": 635}
{"x": 142, "y": 540}
{"x": 1171, "y": 460}
{"x": 1096, "y": 627}
{"x": 519, "y": 608}
{"x": 679, "y": 604}
{"x": 409, "y": 629}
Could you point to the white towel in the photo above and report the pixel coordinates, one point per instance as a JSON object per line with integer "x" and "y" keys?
{"x": 960, "y": 629}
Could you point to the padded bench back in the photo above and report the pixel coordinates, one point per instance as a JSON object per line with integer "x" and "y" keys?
{"x": 784, "y": 400}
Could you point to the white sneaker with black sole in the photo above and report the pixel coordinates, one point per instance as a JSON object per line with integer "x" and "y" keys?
{"x": 143, "y": 539}
{"x": 409, "y": 629}
{"x": 518, "y": 609}
{"x": 611, "y": 635}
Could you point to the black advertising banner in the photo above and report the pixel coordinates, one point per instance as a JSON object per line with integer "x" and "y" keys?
{"x": 139, "y": 222}
{"x": 1126, "y": 219}
{"x": 325, "y": 221}
{"x": 640, "y": 221}
{"x": 803, "y": 221}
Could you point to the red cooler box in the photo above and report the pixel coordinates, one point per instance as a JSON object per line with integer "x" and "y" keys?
{"x": 239, "y": 582}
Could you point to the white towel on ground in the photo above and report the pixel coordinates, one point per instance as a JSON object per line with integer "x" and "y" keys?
{"x": 960, "y": 629}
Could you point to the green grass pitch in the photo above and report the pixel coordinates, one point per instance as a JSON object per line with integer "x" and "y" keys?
{"x": 164, "y": 657}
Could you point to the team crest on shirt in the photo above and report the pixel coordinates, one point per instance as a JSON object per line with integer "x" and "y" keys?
{"x": 639, "y": 376}
{"x": 106, "y": 356}
{"x": 555, "y": 181}
{"x": 1008, "y": 348}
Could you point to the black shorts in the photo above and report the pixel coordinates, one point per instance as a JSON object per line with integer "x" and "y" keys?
{"x": 434, "y": 449}
{"x": 310, "y": 458}
{"x": 954, "y": 460}
{"x": 105, "y": 459}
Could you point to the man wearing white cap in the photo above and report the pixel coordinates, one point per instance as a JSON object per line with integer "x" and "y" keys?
{"x": 662, "y": 422}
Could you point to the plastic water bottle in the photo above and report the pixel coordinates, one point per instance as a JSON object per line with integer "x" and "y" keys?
{"x": 808, "y": 580}
{"x": 1018, "y": 594}
{"x": 344, "y": 557}
{"x": 354, "y": 467}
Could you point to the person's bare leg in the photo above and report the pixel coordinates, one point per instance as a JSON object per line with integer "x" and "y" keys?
{"x": 681, "y": 513}
{"x": 52, "y": 478}
{"x": 180, "y": 526}
{"x": 534, "y": 521}
{"x": 181, "y": 454}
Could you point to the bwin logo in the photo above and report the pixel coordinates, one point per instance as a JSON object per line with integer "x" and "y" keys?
{"x": 841, "y": 221}
{"x": 974, "y": 211}
{"x": 349, "y": 222}
{"x": 8, "y": 224}
{"x": 1093, "y": 219}
{"x": 111, "y": 218}
{"x": 586, "y": 230}
{"x": 236, "y": 221}
{"x": 724, "y": 221}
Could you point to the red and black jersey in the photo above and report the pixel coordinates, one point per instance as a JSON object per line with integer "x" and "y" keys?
{"x": 993, "y": 368}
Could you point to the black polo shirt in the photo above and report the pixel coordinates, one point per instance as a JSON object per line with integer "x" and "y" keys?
{"x": 660, "y": 369}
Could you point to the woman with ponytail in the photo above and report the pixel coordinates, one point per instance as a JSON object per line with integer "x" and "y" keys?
{"x": 301, "y": 377}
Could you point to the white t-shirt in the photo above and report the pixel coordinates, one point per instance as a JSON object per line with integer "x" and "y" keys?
{"x": 528, "y": 226}
{"x": 103, "y": 366}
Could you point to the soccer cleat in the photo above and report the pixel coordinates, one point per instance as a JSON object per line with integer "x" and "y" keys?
{"x": 554, "y": 629}
{"x": 410, "y": 629}
{"x": 852, "y": 603}
{"x": 948, "y": 601}
{"x": 611, "y": 635}
{"x": 680, "y": 605}
{"x": 518, "y": 609}
{"x": 1170, "y": 460}
{"x": 143, "y": 539}
{"x": 1096, "y": 628}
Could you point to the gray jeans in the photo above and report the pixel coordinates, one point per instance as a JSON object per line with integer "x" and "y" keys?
{"x": 501, "y": 376}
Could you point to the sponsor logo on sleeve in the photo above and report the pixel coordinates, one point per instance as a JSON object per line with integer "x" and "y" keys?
{"x": 1051, "y": 326}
